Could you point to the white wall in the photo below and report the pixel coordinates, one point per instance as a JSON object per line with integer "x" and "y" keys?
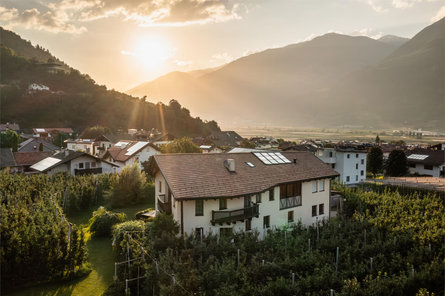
{"x": 278, "y": 218}
{"x": 419, "y": 169}
{"x": 347, "y": 166}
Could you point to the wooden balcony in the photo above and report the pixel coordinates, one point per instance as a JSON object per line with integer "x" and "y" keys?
{"x": 232, "y": 216}
{"x": 94, "y": 171}
{"x": 290, "y": 202}
{"x": 164, "y": 204}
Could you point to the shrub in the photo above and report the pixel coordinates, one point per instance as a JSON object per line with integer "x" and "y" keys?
{"x": 129, "y": 188}
{"x": 103, "y": 220}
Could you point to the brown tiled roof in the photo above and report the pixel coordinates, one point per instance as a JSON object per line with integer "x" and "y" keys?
{"x": 434, "y": 157}
{"x": 30, "y": 158}
{"x": 192, "y": 176}
{"x": 118, "y": 153}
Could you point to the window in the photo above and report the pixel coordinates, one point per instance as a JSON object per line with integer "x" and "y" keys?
{"x": 199, "y": 231}
{"x": 87, "y": 165}
{"x": 290, "y": 190}
{"x": 321, "y": 185}
{"x": 250, "y": 164}
{"x": 348, "y": 155}
{"x": 225, "y": 231}
{"x": 248, "y": 224}
{"x": 290, "y": 216}
{"x": 330, "y": 154}
{"x": 199, "y": 207}
{"x": 356, "y": 166}
{"x": 314, "y": 186}
{"x": 314, "y": 211}
{"x": 362, "y": 173}
{"x": 271, "y": 194}
{"x": 258, "y": 198}
{"x": 356, "y": 177}
{"x": 321, "y": 209}
{"x": 93, "y": 164}
{"x": 80, "y": 165}
{"x": 412, "y": 165}
{"x": 266, "y": 221}
{"x": 347, "y": 178}
{"x": 362, "y": 161}
{"x": 356, "y": 155}
{"x": 222, "y": 203}
{"x": 160, "y": 186}
{"x": 428, "y": 167}
{"x": 333, "y": 165}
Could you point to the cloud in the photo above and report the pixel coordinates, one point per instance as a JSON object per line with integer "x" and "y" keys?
{"x": 439, "y": 15}
{"x": 62, "y": 16}
{"x": 34, "y": 19}
{"x": 183, "y": 63}
{"x": 385, "y": 5}
{"x": 368, "y": 32}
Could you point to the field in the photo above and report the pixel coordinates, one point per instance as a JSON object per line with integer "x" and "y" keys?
{"x": 361, "y": 135}
{"x": 100, "y": 255}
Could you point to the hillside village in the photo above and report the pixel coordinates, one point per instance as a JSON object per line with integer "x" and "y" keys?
{"x": 105, "y": 192}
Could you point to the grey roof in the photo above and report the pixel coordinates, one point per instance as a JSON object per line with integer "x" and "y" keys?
{"x": 11, "y": 126}
{"x": 6, "y": 158}
{"x": 196, "y": 175}
{"x": 33, "y": 144}
{"x": 430, "y": 157}
{"x": 225, "y": 138}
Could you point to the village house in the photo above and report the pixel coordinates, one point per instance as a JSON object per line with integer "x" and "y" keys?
{"x": 210, "y": 149}
{"x": 74, "y": 163}
{"x": 350, "y": 163}
{"x": 35, "y": 144}
{"x": 94, "y": 147}
{"x": 50, "y": 132}
{"x": 221, "y": 192}
{"x": 225, "y": 139}
{"x": 24, "y": 160}
{"x": 9, "y": 126}
{"x": 426, "y": 162}
{"x": 125, "y": 153}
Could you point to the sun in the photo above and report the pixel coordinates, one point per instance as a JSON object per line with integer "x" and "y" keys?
{"x": 150, "y": 51}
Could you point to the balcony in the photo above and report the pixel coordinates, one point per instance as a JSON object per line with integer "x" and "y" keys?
{"x": 94, "y": 171}
{"x": 232, "y": 216}
{"x": 290, "y": 202}
{"x": 164, "y": 205}
{"x": 163, "y": 198}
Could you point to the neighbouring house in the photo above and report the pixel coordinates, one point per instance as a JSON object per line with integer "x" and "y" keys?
{"x": 243, "y": 150}
{"x": 24, "y": 160}
{"x": 125, "y": 153}
{"x": 9, "y": 126}
{"x": 161, "y": 139}
{"x": 222, "y": 192}
{"x": 426, "y": 162}
{"x": 225, "y": 139}
{"x": 74, "y": 163}
{"x": 94, "y": 147}
{"x": 50, "y": 132}
{"x": 33, "y": 144}
{"x": 210, "y": 149}
{"x": 301, "y": 147}
{"x": 350, "y": 163}
{"x": 7, "y": 160}
{"x": 265, "y": 142}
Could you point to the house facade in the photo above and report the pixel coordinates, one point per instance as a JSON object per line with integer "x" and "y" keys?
{"x": 126, "y": 153}
{"x": 94, "y": 147}
{"x": 426, "y": 162}
{"x": 349, "y": 163}
{"x": 220, "y": 193}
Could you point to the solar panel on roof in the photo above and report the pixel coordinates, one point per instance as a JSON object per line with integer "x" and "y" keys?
{"x": 133, "y": 149}
{"x": 417, "y": 156}
{"x": 271, "y": 157}
{"x": 45, "y": 163}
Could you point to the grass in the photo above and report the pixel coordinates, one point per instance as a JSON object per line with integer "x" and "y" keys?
{"x": 100, "y": 255}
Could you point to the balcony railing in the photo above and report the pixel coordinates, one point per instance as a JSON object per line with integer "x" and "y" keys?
{"x": 163, "y": 198}
{"x": 231, "y": 216}
{"x": 290, "y": 202}
{"x": 87, "y": 171}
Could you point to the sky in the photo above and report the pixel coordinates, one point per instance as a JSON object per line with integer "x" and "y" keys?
{"x": 122, "y": 43}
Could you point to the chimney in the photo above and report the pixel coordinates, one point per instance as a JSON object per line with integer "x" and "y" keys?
{"x": 230, "y": 165}
{"x": 66, "y": 152}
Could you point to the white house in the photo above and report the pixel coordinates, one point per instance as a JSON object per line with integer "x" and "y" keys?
{"x": 221, "y": 192}
{"x": 94, "y": 147}
{"x": 126, "y": 153}
{"x": 349, "y": 163}
{"x": 74, "y": 163}
{"x": 210, "y": 149}
{"x": 426, "y": 162}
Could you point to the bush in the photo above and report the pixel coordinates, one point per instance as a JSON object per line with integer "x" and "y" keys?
{"x": 103, "y": 220}
{"x": 131, "y": 187}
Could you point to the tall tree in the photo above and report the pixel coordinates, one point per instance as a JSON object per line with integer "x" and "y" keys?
{"x": 375, "y": 160}
{"x": 397, "y": 164}
{"x": 183, "y": 145}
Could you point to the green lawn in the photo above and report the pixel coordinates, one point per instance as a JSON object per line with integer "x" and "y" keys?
{"x": 100, "y": 256}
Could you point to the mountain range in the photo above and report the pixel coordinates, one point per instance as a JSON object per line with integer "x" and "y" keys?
{"x": 330, "y": 80}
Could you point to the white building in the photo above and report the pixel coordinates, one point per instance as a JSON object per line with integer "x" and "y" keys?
{"x": 349, "y": 163}
{"x": 126, "y": 153}
{"x": 426, "y": 162}
{"x": 210, "y": 149}
{"x": 74, "y": 163}
{"x": 220, "y": 192}
{"x": 94, "y": 147}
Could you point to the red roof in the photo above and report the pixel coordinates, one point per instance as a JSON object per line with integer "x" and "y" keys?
{"x": 191, "y": 176}
{"x": 30, "y": 158}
